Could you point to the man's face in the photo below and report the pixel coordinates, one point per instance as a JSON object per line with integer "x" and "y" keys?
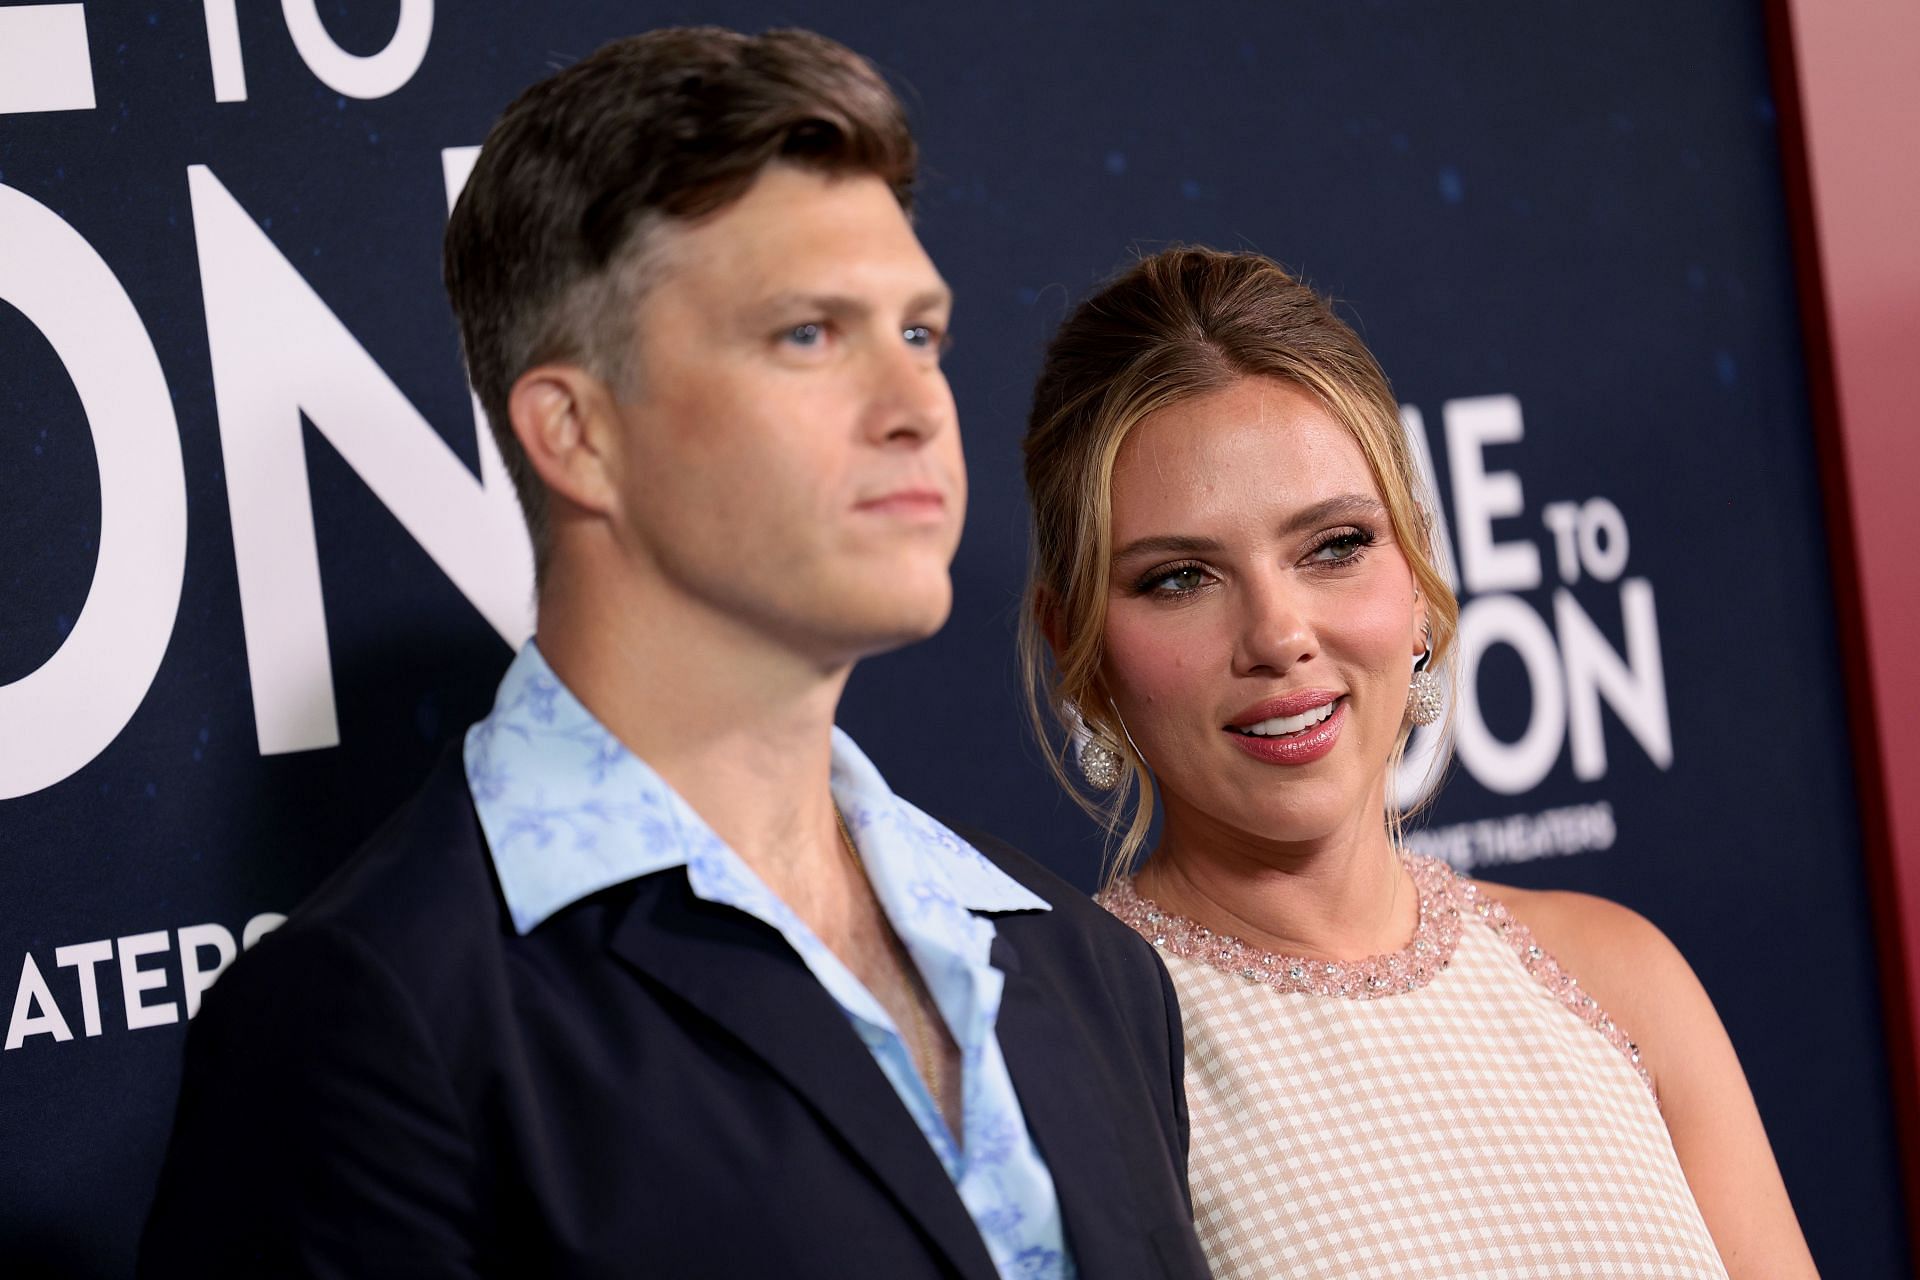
{"x": 791, "y": 460}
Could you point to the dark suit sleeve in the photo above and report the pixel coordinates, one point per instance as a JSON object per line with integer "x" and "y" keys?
{"x": 1177, "y": 1069}
{"x": 316, "y": 1133}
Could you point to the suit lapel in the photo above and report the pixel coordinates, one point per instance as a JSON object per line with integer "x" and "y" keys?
{"x": 1058, "y": 1078}
{"x": 745, "y": 978}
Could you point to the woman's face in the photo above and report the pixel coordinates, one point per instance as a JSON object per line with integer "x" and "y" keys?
{"x": 1262, "y": 623}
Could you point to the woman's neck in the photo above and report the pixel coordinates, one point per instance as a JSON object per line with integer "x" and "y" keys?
{"x": 1341, "y": 897}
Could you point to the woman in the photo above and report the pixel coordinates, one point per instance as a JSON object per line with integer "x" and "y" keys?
{"x": 1392, "y": 1070}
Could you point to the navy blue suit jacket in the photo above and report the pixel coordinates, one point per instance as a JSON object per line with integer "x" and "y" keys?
{"x": 395, "y": 1083}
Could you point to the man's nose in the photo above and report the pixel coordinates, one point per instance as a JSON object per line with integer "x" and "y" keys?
{"x": 911, "y": 401}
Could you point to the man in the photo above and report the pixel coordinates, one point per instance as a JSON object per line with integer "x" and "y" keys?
{"x": 659, "y": 977}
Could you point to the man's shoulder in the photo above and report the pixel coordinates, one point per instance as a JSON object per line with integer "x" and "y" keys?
{"x": 413, "y": 905}
{"x": 428, "y": 859}
{"x": 1029, "y": 872}
{"x": 1072, "y": 911}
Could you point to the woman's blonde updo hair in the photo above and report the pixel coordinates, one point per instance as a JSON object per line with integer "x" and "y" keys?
{"x": 1180, "y": 324}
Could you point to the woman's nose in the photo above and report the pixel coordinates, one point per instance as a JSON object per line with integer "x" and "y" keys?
{"x": 1275, "y": 630}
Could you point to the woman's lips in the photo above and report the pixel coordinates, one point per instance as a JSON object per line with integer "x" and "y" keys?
{"x": 1297, "y": 748}
{"x": 1291, "y": 704}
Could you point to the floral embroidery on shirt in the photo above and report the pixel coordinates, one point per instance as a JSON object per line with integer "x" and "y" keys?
{"x": 569, "y": 811}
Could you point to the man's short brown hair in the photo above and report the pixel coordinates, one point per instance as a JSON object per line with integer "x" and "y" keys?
{"x": 546, "y": 251}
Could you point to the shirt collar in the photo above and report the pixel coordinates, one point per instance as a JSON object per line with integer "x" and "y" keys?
{"x": 569, "y": 811}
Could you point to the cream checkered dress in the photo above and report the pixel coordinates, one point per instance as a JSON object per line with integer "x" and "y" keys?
{"x": 1459, "y": 1109}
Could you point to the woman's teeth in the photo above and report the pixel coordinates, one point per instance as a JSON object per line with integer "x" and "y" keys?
{"x": 1280, "y": 726}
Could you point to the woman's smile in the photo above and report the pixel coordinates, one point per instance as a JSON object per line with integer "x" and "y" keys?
{"x": 1295, "y": 739}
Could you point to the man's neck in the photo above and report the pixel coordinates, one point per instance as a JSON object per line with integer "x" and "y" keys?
{"x": 742, "y": 729}
{"x": 739, "y": 727}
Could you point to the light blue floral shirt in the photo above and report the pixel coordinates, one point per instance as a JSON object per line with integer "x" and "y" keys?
{"x": 569, "y": 811}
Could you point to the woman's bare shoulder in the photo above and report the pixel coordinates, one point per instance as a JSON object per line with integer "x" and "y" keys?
{"x": 1622, "y": 959}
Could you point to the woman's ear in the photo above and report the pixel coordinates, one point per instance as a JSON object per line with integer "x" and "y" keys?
{"x": 564, "y": 419}
{"x": 1047, "y": 616}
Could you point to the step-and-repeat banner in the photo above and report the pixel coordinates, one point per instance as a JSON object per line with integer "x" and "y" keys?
{"x": 256, "y": 567}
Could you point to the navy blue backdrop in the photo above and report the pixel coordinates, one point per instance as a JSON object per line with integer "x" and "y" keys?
{"x": 1561, "y": 227}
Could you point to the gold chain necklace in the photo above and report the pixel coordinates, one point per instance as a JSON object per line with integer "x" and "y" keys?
{"x": 922, "y": 1034}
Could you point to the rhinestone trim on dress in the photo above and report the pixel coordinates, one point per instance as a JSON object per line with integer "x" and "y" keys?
{"x": 1408, "y": 969}
{"x": 1446, "y": 898}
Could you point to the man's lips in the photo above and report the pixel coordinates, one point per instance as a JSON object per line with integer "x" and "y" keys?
{"x": 912, "y": 502}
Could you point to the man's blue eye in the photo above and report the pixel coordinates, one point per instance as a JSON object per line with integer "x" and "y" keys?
{"x": 805, "y": 335}
{"x": 918, "y": 335}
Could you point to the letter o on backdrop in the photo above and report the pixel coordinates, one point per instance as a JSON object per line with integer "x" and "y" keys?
{"x": 1510, "y": 768}
{"x": 64, "y": 713}
{"x": 374, "y": 76}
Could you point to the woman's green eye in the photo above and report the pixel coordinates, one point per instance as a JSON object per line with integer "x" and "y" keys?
{"x": 1345, "y": 546}
{"x": 1174, "y": 582}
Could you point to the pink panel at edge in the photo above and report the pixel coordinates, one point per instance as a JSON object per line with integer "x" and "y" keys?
{"x": 1859, "y": 95}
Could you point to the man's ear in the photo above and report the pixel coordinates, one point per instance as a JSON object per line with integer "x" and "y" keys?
{"x": 565, "y": 420}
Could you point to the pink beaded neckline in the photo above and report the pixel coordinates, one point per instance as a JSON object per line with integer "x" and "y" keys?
{"x": 1446, "y": 900}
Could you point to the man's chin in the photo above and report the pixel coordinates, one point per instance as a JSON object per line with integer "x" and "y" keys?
{"x": 868, "y": 627}
{"x": 912, "y": 626}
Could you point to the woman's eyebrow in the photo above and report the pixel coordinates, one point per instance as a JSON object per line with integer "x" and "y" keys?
{"x": 1344, "y": 506}
{"x": 1179, "y": 544}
